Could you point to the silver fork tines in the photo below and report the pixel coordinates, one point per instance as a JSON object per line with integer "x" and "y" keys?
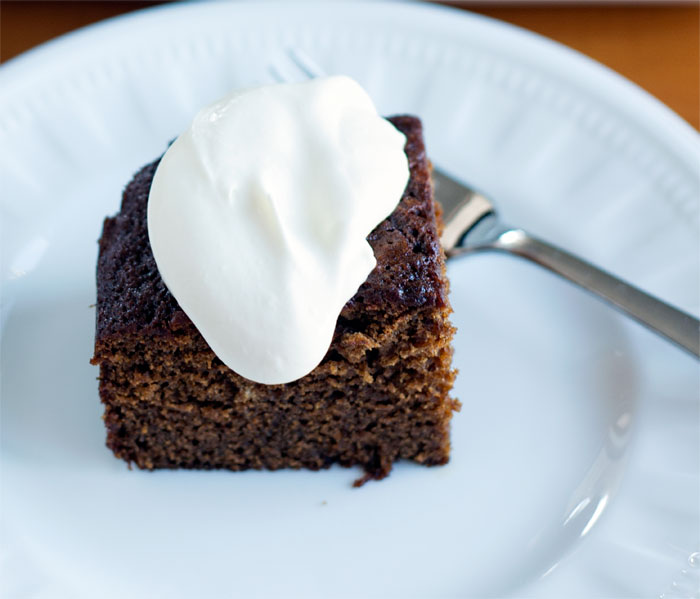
{"x": 297, "y": 66}
{"x": 465, "y": 211}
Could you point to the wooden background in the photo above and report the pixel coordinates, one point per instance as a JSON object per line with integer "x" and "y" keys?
{"x": 656, "y": 45}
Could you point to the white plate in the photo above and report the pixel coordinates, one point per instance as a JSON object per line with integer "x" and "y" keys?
{"x": 569, "y": 411}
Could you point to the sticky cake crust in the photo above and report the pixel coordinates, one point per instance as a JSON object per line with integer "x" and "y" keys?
{"x": 380, "y": 394}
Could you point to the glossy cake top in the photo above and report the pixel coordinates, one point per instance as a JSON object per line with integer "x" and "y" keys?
{"x": 408, "y": 275}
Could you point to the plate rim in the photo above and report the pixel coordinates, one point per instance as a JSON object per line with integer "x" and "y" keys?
{"x": 553, "y": 52}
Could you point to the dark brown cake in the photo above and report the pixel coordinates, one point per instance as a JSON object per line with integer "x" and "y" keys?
{"x": 380, "y": 394}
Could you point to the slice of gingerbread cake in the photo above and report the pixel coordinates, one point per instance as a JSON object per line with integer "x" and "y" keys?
{"x": 380, "y": 394}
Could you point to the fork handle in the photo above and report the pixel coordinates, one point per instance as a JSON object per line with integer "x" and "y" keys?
{"x": 677, "y": 326}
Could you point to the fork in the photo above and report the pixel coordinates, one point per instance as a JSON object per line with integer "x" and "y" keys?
{"x": 472, "y": 224}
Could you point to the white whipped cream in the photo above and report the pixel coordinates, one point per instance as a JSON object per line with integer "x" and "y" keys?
{"x": 258, "y": 217}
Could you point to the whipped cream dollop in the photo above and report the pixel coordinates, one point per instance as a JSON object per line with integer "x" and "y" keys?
{"x": 258, "y": 216}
